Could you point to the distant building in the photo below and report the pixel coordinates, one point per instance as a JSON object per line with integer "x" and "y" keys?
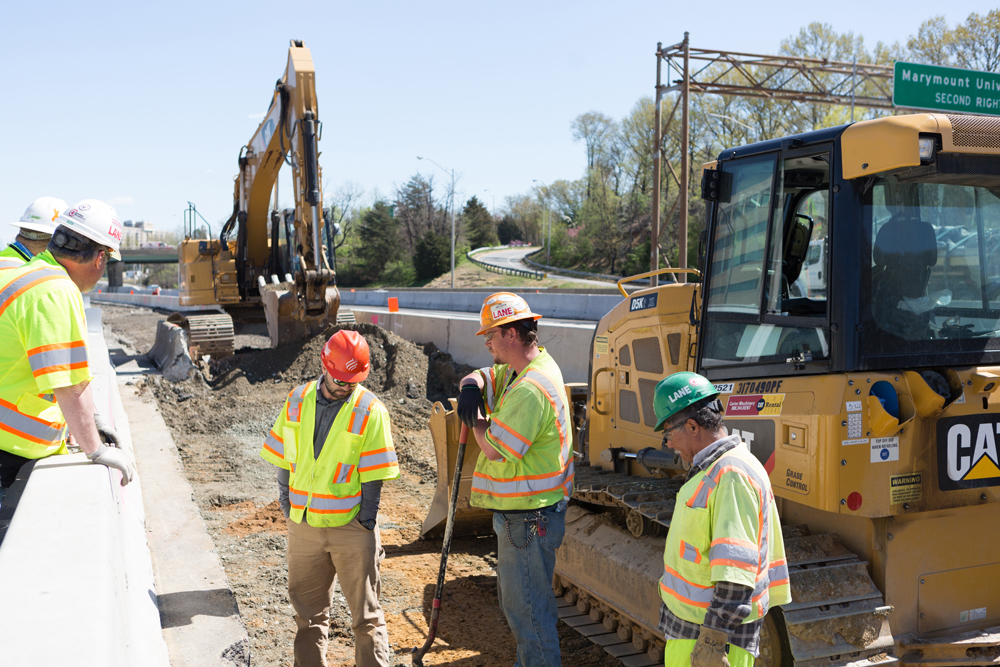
{"x": 140, "y": 232}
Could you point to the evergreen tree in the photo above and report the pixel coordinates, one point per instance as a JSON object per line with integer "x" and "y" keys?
{"x": 508, "y": 231}
{"x": 433, "y": 255}
{"x": 479, "y": 225}
{"x": 381, "y": 240}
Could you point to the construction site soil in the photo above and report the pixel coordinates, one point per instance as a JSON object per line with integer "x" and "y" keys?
{"x": 218, "y": 419}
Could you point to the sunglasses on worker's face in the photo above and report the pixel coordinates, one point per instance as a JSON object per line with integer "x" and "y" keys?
{"x": 343, "y": 384}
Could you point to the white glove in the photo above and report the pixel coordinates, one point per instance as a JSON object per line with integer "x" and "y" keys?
{"x": 114, "y": 458}
{"x": 108, "y": 434}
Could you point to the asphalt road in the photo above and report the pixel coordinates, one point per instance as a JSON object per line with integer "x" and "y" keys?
{"x": 513, "y": 258}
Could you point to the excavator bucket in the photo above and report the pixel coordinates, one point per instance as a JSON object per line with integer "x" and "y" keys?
{"x": 286, "y": 321}
{"x": 445, "y": 429}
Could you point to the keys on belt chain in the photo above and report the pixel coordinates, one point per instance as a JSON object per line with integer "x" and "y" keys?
{"x": 538, "y": 521}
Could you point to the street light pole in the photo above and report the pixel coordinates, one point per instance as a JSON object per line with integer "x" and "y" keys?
{"x": 452, "y": 173}
{"x": 548, "y": 218}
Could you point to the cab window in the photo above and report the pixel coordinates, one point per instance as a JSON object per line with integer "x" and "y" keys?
{"x": 767, "y": 282}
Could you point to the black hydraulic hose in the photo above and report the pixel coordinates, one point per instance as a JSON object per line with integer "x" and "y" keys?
{"x": 418, "y": 653}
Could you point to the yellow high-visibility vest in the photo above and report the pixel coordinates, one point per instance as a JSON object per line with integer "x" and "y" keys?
{"x": 14, "y": 257}
{"x": 531, "y": 427}
{"x": 725, "y": 528}
{"x": 327, "y": 491}
{"x": 43, "y": 346}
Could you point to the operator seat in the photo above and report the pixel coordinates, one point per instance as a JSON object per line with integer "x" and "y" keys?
{"x": 904, "y": 252}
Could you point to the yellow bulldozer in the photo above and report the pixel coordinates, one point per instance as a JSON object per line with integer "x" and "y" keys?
{"x": 863, "y": 382}
{"x": 265, "y": 259}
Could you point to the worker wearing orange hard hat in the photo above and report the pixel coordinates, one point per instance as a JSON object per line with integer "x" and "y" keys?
{"x": 522, "y": 422}
{"x": 333, "y": 449}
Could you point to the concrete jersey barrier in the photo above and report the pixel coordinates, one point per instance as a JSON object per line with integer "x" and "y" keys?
{"x": 75, "y": 569}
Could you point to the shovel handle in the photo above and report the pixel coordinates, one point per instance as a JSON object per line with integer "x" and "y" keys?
{"x": 449, "y": 529}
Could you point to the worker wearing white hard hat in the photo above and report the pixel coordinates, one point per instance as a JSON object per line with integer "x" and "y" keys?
{"x": 43, "y": 347}
{"x": 34, "y": 231}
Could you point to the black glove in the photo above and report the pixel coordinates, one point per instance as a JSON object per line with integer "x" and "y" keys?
{"x": 470, "y": 404}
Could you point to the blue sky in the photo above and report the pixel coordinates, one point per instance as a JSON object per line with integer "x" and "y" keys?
{"x": 146, "y": 105}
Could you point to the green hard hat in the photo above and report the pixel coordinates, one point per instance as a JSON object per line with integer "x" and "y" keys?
{"x": 678, "y": 391}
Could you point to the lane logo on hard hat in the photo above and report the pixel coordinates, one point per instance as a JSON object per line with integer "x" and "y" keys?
{"x": 84, "y": 207}
{"x": 351, "y": 364}
{"x": 502, "y": 310}
{"x": 967, "y": 452}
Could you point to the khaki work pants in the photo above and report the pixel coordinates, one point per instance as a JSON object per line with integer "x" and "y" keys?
{"x": 316, "y": 556}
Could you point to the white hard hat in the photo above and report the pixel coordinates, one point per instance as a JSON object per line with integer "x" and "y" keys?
{"x": 97, "y": 221}
{"x": 41, "y": 215}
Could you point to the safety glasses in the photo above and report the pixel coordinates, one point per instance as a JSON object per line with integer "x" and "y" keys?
{"x": 668, "y": 431}
{"x": 342, "y": 384}
{"x": 488, "y": 336}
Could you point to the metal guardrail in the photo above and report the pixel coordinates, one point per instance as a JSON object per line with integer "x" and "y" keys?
{"x": 535, "y": 275}
{"x": 582, "y": 274}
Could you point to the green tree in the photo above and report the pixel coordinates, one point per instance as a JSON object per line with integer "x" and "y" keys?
{"x": 380, "y": 240}
{"x": 433, "y": 255}
{"x": 508, "y": 230}
{"x": 479, "y": 225}
{"x": 974, "y": 44}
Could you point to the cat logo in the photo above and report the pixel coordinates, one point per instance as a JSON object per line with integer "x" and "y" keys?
{"x": 967, "y": 452}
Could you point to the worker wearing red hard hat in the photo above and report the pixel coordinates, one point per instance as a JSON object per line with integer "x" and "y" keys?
{"x": 333, "y": 449}
{"x": 518, "y": 410}
{"x": 43, "y": 346}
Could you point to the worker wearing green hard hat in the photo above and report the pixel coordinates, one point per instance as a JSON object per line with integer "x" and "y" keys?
{"x": 724, "y": 561}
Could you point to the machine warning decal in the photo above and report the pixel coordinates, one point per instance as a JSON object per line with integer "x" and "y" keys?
{"x": 797, "y": 481}
{"x": 758, "y": 434}
{"x": 762, "y": 387}
{"x": 642, "y": 303}
{"x": 905, "y": 488}
{"x": 755, "y": 405}
{"x": 856, "y": 441}
{"x": 854, "y": 425}
{"x": 972, "y": 615}
{"x": 600, "y": 346}
{"x": 724, "y": 387}
{"x": 967, "y": 452}
{"x": 854, "y": 406}
{"x": 885, "y": 449}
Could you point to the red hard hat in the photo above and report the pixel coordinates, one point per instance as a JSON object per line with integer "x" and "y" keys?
{"x": 345, "y": 356}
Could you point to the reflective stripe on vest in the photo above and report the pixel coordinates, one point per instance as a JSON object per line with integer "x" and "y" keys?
{"x": 25, "y": 426}
{"x": 326, "y": 504}
{"x": 10, "y": 263}
{"x": 343, "y": 473}
{"x": 379, "y": 458}
{"x": 513, "y": 443}
{"x": 274, "y": 444}
{"x": 298, "y": 499}
{"x": 525, "y": 485}
{"x": 735, "y": 553}
{"x": 30, "y": 279}
{"x": 674, "y": 584}
{"x": 294, "y": 411}
{"x": 551, "y": 391}
{"x": 690, "y": 553}
{"x": 359, "y": 415}
{"x": 490, "y": 382}
{"x": 777, "y": 573}
{"x": 57, "y": 357}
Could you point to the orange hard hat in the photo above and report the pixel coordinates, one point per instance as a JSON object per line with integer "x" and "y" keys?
{"x": 503, "y": 308}
{"x": 345, "y": 356}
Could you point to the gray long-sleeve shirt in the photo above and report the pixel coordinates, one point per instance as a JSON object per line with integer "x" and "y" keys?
{"x": 326, "y": 413}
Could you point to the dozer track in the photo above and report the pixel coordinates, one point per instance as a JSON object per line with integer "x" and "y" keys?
{"x": 607, "y": 579}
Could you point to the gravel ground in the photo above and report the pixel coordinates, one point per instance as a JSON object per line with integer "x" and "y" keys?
{"x": 219, "y": 419}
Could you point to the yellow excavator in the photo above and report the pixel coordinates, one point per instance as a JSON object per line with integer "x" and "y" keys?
{"x": 867, "y": 386}
{"x": 265, "y": 258}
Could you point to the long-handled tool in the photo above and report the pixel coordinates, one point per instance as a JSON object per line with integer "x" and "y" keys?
{"x": 418, "y": 653}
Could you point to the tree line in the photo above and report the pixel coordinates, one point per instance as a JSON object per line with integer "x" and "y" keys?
{"x": 601, "y": 221}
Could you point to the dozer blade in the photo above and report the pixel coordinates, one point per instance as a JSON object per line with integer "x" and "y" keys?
{"x": 287, "y": 320}
{"x": 445, "y": 429}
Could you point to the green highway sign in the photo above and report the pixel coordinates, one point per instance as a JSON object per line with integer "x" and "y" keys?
{"x": 945, "y": 89}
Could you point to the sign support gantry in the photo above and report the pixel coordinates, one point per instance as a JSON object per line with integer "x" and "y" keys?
{"x": 781, "y": 78}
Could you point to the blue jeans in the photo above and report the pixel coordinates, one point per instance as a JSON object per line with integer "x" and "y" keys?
{"x": 524, "y": 581}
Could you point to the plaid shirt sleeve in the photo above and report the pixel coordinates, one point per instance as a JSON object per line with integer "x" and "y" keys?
{"x": 730, "y": 606}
